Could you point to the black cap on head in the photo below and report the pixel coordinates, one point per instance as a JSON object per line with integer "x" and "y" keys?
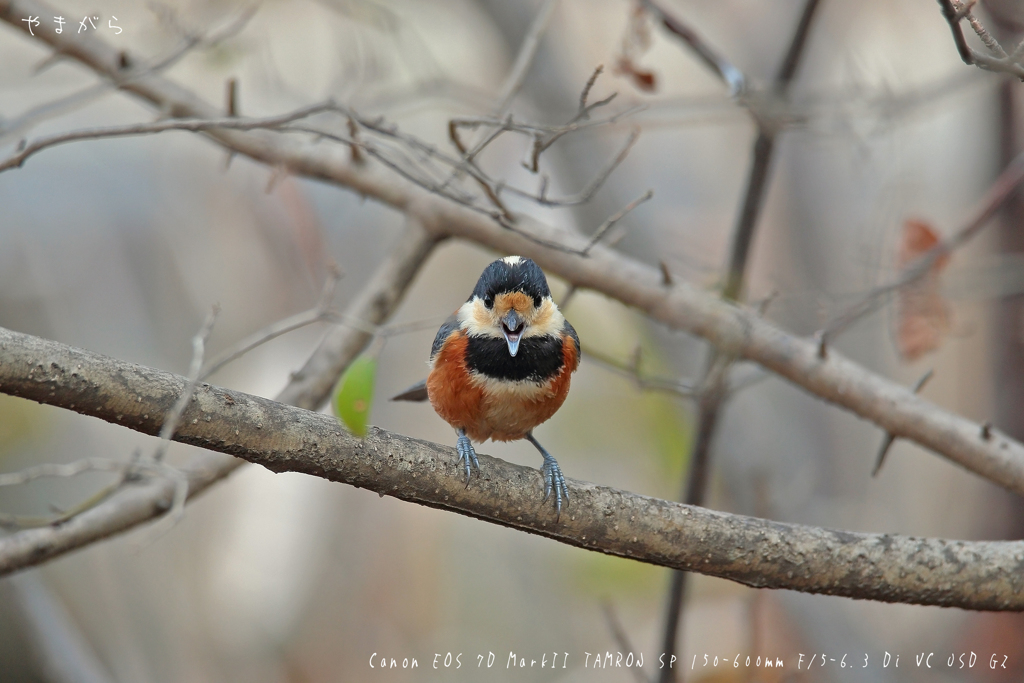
{"x": 512, "y": 274}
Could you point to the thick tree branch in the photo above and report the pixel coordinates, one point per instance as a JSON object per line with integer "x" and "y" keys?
{"x": 138, "y": 503}
{"x": 741, "y": 332}
{"x": 756, "y": 552}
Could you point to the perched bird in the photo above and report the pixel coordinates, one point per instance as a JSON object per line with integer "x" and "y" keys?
{"x": 501, "y": 365}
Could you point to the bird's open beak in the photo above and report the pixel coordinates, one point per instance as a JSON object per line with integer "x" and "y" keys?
{"x": 512, "y": 327}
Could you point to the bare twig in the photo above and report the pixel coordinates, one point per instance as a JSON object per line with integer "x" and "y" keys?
{"x": 320, "y": 311}
{"x": 524, "y": 59}
{"x": 491, "y": 192}
{"x": 126, "y": 471}
{"x": 587, "y": 193}
{"x": 621, "y": 639}
{"x": 643, "y": 382}
{"x": 130, "y": 130}
{"x": 722, "y": 67}
{"x": 889, "y": 438}
{"x": 953, "y": 18}
{"x": 615, "y": 218}
{"x": 510, "y": 87}
{"x": 170, "y": 422}
{"x": 584, "y": 111}
{"x": 954, "y": 11}
{"x": 62, "y": 105}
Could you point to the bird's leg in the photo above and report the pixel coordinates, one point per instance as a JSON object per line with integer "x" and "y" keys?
{"x": 553, "y": 479}
{"x": 466, "y": 452}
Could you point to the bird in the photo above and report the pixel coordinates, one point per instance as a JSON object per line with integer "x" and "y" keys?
{"x": 502, "y": 364}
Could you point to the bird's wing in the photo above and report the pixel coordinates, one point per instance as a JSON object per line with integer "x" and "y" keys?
{"x": 449, "y": 326}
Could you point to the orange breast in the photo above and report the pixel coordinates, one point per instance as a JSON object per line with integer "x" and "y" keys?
{"x": 452, "y": 393}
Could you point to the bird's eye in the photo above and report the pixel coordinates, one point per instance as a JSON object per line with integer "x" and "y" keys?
{"x": 536, "y": 302}
{"x": 489, "y": 301}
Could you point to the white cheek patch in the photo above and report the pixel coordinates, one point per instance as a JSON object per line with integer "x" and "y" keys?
{"x": 476, "y": 320}
{"x": 547, "y": 322}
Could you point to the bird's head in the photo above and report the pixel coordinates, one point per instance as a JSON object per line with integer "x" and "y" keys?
{"x": 511, "y": 301}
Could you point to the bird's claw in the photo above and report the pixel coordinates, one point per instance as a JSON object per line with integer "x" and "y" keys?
{"x": 554, "y": 481}
{"x": 467, "y": 454}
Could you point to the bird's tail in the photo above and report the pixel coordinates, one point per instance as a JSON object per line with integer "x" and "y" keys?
{"x": 417, "y": 392}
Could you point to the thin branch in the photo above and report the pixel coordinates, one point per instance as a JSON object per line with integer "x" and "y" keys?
{"x": 132, "y": 470}
{"x": 39, "y": 113}
{"x": 134, "y": 129}
{"x": 950, "y": 13}
{"x": 797, "y": 45}
{"x": 587, "y": 193}
{"x": 511, "y": 86}
{"x": 991, "y": 43}
{"x": 973, "y": 574}
{"x": 889, "y": 438}
{"x": 722, "y": 67}
{"x": 174, "y": 415}
{"x": 524, "y": 59}
{"x": 615, "y": 218}
{"x": 621, "y": 639}
{"x": 491, "y": 192}
{"x": 64, "y": 104}
{"x": 584, "y": 111}
{"x": 998, "y": 61}
{"x": 320, "y": 311}
{"x": 643, "y": 382}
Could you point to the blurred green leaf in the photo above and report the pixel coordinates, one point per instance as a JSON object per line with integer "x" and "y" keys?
{"x": 354, "y": 394}
{"x": 21, "y": 420}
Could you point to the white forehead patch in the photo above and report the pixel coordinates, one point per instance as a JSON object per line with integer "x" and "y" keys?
{"x": 512, "y": 260}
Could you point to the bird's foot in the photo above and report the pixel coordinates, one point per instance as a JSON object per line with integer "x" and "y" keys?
{"x": 554, "y": 481}
{"x": 467, "y": 454}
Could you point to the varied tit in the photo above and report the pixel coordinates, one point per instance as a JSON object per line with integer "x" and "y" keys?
{"x": 501, "y": 365}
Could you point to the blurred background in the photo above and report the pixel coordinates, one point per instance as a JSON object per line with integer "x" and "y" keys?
{"x": 121, "y": 246}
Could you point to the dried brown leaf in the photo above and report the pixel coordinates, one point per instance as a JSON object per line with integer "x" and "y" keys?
{"x": 923, "y": 316}
{"x": 636, "y": 41}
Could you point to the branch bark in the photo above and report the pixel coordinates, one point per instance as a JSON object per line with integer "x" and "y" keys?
{"x": 972, "y": 575}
